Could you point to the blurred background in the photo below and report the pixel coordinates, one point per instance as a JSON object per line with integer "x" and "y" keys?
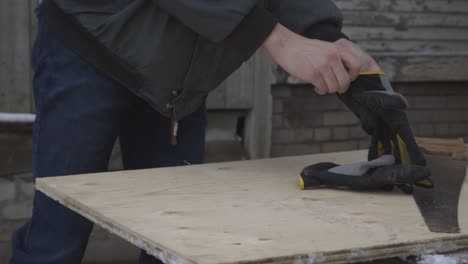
{"x": 261, "y": 111}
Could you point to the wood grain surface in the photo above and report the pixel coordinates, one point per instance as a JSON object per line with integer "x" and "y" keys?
{"x": 252, "y": 212}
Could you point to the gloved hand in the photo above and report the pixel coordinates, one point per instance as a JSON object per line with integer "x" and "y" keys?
{"x": 381, "y": 112}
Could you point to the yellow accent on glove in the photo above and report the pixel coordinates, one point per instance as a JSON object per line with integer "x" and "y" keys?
{"x": 405, "y": 159}
{"x": 372, "y": 73}
{"x": 301, "y": 183}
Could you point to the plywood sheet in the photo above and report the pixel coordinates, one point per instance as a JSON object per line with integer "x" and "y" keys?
{"x": 252, "y": 212}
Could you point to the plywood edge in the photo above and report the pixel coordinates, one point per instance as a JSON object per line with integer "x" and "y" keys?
{"x": 463, "y": 205}
{"x": 438, "y": 245}
{"x": 165, "y": 255}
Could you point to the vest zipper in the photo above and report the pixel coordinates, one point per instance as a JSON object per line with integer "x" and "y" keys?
{"x": 174, "y": 126}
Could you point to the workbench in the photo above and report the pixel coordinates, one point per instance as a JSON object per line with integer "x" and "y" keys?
{"x": 252, "y": 212}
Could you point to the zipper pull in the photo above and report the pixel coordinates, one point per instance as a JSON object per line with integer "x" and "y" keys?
{"x": 174, "y": 127}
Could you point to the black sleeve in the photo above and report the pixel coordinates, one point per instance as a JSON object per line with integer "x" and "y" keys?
{"x": 242, "y": 25}
{"x": 318, "y": 19}
{"x": 251, "y": 32}
{"x": 324, "y": 31}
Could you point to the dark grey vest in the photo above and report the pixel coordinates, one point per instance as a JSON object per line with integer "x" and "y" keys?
{"x": 158, "y": 57}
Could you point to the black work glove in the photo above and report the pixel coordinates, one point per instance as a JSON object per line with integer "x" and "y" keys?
{"x": 381, "y": 112}
{"x": 369, "y": 175}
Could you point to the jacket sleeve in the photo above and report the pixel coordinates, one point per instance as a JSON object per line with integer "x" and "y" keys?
{"x": 239, "y": 24}
{"x": 317, "y": 19}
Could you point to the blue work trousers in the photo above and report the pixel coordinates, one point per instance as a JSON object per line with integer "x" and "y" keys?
{"x": 80, "y": 114}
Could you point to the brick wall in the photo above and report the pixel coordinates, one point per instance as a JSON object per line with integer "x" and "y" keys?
{"x": 306, "y": 123}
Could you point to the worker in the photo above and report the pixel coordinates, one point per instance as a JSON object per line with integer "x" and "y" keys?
{"x": 140, "y": 71}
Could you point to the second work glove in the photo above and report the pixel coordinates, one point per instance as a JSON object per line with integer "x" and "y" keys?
{"x": 368, "y": 175}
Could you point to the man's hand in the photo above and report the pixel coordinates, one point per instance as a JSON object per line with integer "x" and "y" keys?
{"x": 355, "y": 59}
{"x": 316, "y": 62}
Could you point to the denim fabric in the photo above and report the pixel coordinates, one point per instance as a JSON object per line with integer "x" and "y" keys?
{"x": 80, "y": 114}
